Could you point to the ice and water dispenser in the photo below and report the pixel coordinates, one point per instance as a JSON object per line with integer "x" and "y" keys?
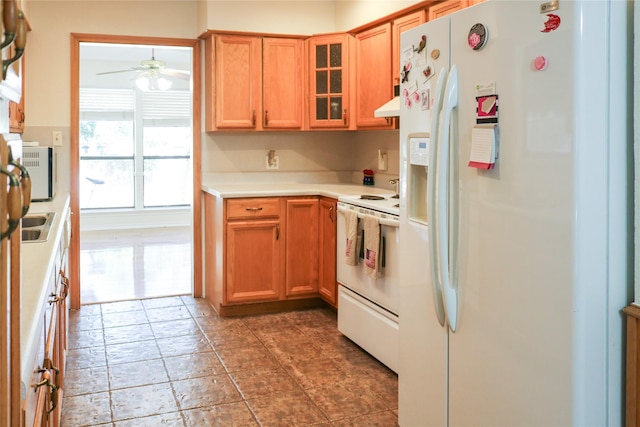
{"x": 418, "y": 175}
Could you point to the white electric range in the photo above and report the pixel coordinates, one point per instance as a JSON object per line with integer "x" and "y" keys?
{"x": 368, "y": 308}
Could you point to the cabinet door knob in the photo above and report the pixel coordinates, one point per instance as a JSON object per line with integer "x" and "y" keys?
{"x": 345, "y": 118}
{"x": 277, "y": 231}
{"x": 253, "y": 118}
{"x": 266, "y": 117}
{"x": 331, "y": 213}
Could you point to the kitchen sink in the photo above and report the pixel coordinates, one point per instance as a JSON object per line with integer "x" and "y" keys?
{"x": 36, "y": 227}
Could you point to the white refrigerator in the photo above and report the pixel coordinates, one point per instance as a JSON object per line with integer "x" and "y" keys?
{"x": 516, "y": 215}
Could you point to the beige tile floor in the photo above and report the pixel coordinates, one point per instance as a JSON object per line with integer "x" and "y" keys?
{"x": 172, "y": 361}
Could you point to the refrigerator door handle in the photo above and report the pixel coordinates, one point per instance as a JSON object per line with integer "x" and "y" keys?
{"x": 449, "y": 288}
{"x": 432, "y": 179}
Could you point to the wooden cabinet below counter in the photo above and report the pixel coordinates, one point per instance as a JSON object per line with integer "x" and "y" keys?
{"x": 262, "y": 254}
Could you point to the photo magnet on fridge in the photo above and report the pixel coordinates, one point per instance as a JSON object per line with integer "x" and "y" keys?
{"x": 487, "y": 109}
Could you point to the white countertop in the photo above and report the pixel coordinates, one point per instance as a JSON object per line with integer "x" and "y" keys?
{"x": 37, "y": 264}
{"x": 253, "y": 189}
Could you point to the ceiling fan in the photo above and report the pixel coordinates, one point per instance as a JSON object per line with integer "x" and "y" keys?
{"x": 152, "y": 74}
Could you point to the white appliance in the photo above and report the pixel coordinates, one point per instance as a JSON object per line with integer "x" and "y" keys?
{"x": 513, "y": 275}
{"x": 368, "y": 307}
{"x": 42, "y": 165}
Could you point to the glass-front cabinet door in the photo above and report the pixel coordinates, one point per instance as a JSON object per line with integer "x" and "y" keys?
{"x": 329, "y": 82}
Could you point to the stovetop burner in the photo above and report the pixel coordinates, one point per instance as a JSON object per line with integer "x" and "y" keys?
{"x": 371, "y": 197}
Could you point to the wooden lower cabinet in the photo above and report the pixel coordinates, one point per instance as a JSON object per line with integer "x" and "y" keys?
{"x": 253, "y": 261}
{"x": 42, "y": 405}
{"x": 327, "y": 284}
{"x": 301, "y": 259}
{"x": 263, "y": 254}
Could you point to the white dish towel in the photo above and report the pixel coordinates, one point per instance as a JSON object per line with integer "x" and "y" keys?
{"x": 351, "y": 248}
{"x": 372, "y": 246}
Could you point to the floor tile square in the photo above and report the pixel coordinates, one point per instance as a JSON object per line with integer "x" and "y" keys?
{"x": 121, "y": 306}
{"x": 116, "y": 319}
{"x": 174, "y": 328}
{"x": 205, "y": 391}
{"x": 142, "y": 401}
{"x": 260, "y": 382}
{"x": 87, "y": 338}
{"x": 378, "y": 419}
{"x": 173, "y": 419}
{"x": 86, "y": 357}
{"x": 228, "y": 414}
{"x": 187, "y": 344}
{"x": 244, "y": 358}
{"x": 125, "y": 334}
{"x": 132, "y": 352}
{"x": 193, "y": 366}
{"x": 86, "y": 409}
{"x": 133, "y": 374}
{"x": 168, "y": 313}
{"x": 286, "y": 409}
{"x": 150, "y": 303}
{"x": 344, "y": 399}
{"x": 84, "y": 323}
{"x": 86, "y": 380}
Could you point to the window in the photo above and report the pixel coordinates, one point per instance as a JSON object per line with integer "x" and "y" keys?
{"x": 135, "y": 149}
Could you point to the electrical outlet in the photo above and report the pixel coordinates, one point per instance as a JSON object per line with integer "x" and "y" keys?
{"x": 56, "y": 137}
{"x": 274, "y": 164}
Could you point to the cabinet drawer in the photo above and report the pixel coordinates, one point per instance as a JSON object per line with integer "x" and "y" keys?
{"x": 253, "y": 208}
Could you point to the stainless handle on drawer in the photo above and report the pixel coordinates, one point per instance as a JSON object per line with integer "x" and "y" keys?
{"x": 253, "y": 209}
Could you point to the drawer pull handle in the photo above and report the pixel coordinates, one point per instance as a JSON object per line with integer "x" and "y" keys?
{"x": 253, "y": 209}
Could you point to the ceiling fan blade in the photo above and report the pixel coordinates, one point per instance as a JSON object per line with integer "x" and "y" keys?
{"x": 114, "y": 72}
{"x": 179, "y": 74}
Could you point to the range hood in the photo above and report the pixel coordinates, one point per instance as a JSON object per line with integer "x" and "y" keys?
{"x": 391, "y": 108}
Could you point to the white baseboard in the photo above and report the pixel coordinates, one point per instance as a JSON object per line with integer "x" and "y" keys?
{"x": 130, "y": 219}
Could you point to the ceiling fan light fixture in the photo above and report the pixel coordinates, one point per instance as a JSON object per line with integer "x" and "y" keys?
{"x": 142, "y": 83}
{"x": 149, "y": 83}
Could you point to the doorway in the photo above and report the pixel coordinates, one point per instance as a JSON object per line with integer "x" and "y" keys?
{"x": 135, "y": 165}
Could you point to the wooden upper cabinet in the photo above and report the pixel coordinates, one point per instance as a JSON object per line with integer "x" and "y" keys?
{"x": 400, "y": 25}
{"x": 447, "y": 7}
{"x": 254, "y": 83}
{"x": 329, "y": 81}
{"x": 282, "y": 82}
{"x": 233, "y": 87}
{"x": 374, "y": 85}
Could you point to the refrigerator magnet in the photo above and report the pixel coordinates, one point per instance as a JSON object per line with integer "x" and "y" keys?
{"x": 487, "y": 109}
{"x": 404, "y": 73}
{"x": 421, "y": 45}
{"x": 478, "y": 36}
{"x": 427, "y": 73}
{"x": 552, "y": 24}
{"x": 425, "y": 103}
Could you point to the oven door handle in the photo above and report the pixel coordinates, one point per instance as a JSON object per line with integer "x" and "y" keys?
{"x": 381, "y": 221}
